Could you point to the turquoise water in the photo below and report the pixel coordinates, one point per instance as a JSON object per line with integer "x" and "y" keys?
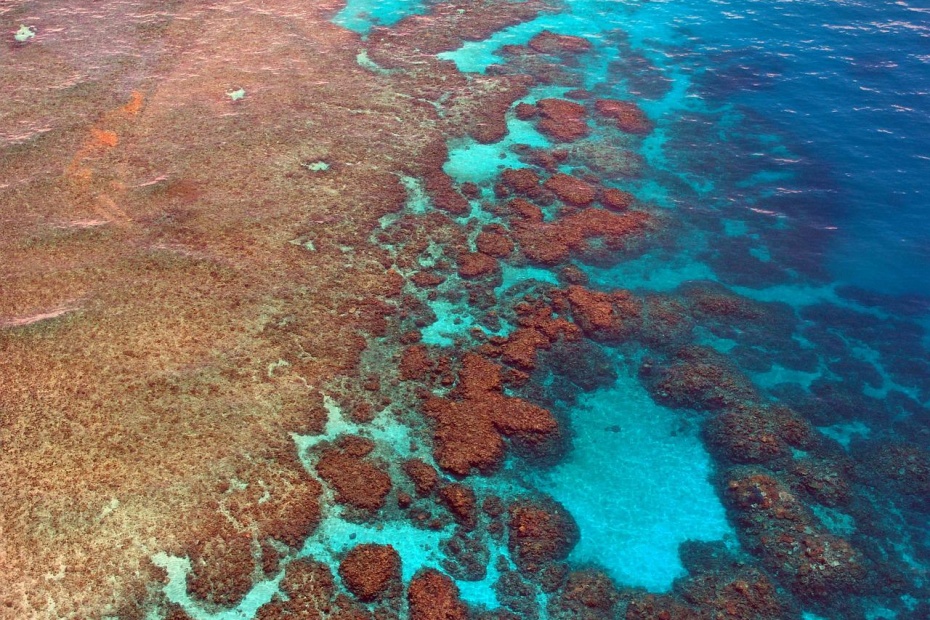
{"x": 787, "y": 166}
{"x": 792, "y": 145}
{"x": 362, "y": 15}
{"x": 637, "y": 482}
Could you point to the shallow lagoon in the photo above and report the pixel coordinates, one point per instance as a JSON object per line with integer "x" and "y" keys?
{"x": 785, "y": 160}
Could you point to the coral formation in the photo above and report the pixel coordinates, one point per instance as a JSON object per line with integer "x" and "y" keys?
{"x": 175, "y": 318}
{"x": 571, "y": 190}
{"x": 310, "y": 590}
{"x": 774, "y": 524}
{"x": 540, "y": 532}
{"x": 547, "y": 42}
{"x": 626, "y": 114}
{"x": 371, "y": 571}
{"x": 583, "y": 232}
{"x": 470, "y": 426}
{"x": 562, "y": 120}
{"x": 434, "y": 596}
{"x": 357, "y": 481}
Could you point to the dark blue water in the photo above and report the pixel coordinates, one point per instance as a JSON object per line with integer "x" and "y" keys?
{"x": 844, "y": 86}
{"x": 792, "y": 145}
{"x": 791, "y": 148}
{"x": 786, "y": 174}
{"x": 828, "y": 98}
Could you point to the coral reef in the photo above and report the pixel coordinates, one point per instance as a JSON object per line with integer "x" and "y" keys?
{"x": 625, "y": 114}
{"x": 470, "y": 426}
{"x": 209, "y": 277}
{"x": 547, "y": 42}
{"x": 562, "y": 120}
{"x": 571, "y": 190}
{"x": 423, "y": 475}
{"x": 310, "y": 591}
{"x": 434, "y": 596}
{"x": 371, "y": 571}
{"x": 698, "y": 378}
{"x": 461, "y": 502}
{"x": 585, "y": 232}
{"x": 587, "y": 594}
{"x": 494, "y": 241}
{"x": 540, "y": 532}
{"x": 773, "y": 523}
{"x": 357, "y": 481}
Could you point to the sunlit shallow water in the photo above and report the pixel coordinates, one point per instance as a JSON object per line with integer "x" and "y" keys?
{"x": 791, "y": 145}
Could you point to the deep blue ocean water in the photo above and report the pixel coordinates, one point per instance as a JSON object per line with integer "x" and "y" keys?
{"x": 792, "y": 145}
{"x": 813, "y": 110}
{"x": 793, "y": 137}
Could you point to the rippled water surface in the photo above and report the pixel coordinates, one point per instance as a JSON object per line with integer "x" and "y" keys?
{"x": 264, "y": 269}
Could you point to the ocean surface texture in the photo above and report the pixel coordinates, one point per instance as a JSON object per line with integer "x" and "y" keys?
{"x": 465, "y": 310}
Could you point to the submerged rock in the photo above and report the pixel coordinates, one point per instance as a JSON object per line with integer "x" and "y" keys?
{"x": 626, "y": 115}
{"x": 470, "y": 425}
{"x": 371, "y": 571}
{"x": 562, "y": 120}
{"x": 540, "y": 532}
{"x": 434, "y": 596}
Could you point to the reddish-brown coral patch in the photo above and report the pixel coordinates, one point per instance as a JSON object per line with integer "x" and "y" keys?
{"x": 520, "y": 180}
{"x": 460, "y": 500}
{"x": 415, "y": 363}
{"x": 221, "y": 566}
{"x": 540, "y": 532}
{"x": 571, "y": 189}
{"x": 371, "y": 571}
{"x": 525, "y": 111}
{"x": 553, "y": 242}
{"x": 471, "y": 423}
{"x": 538, "y": 329}
{"x": 494, "y": 241}
{"x": 427, "y": 279}
{"x": 444, "y": 195}
{"x": 524, "y": 210}
{"x": 476, "y": 264}
{"x": 604, "y": 316}
{"x": 434, "y": 596}
{"x": 615, "y": 199}
{"x": 309, "y": 588}
{"x": 562, "y": 120}
{"x": 626, "y": 114}
{"x": 521, "y": 348}
{"x": 423, "y": 475}
{"x": 357, "y": 481}
{"x": 484, "y": 112}
{"x": 548, "y": 42}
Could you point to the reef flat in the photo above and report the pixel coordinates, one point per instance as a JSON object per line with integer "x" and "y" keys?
{"x": 298, "y": 321}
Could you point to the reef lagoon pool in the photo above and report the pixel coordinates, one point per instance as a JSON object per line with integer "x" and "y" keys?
{"x": 478, "y": 309}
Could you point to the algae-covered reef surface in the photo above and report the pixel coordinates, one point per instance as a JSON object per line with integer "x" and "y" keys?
{"x": 180, "y": 283}
{"x": 298, "y": 321}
